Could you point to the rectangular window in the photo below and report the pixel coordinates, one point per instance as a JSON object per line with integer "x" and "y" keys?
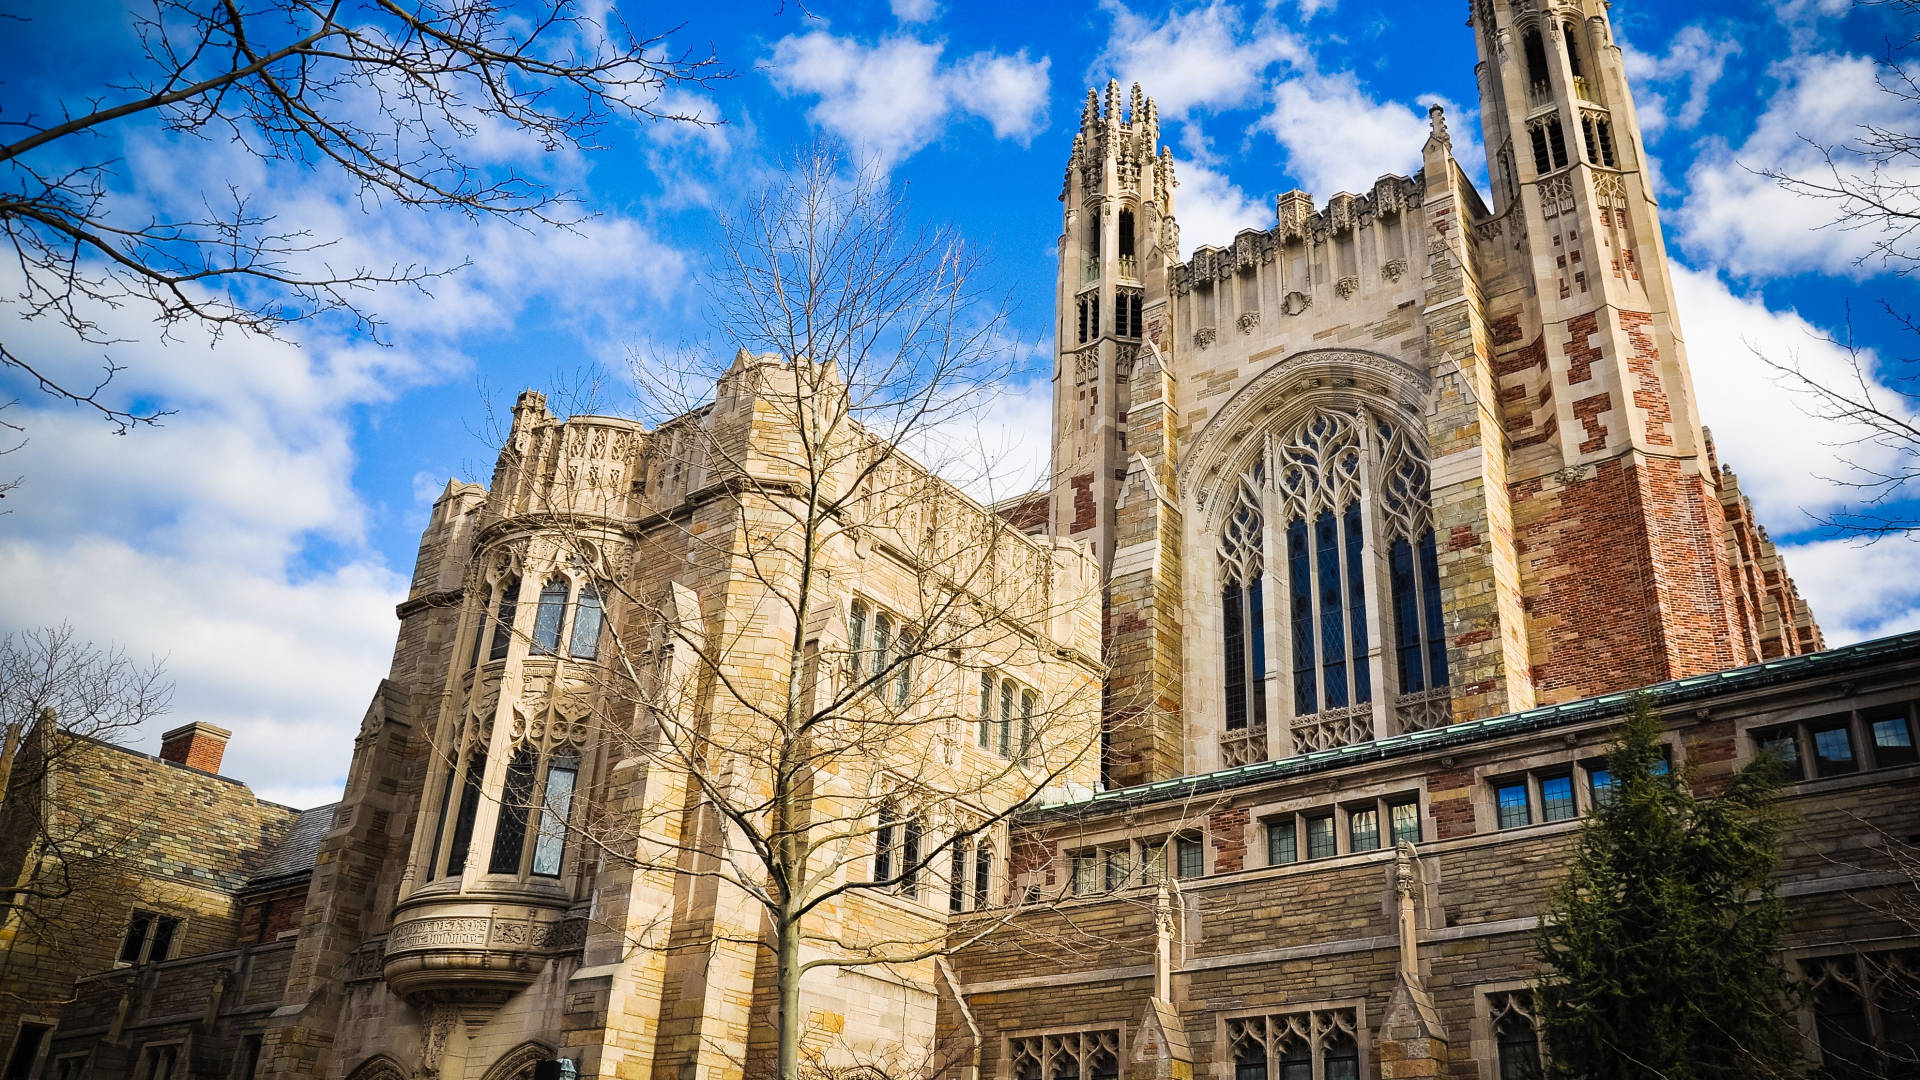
{"x": 1600, "y": 786}
{"x": 1006, "y": 718}
{"x": 516, "y": 803}
{"x": 1892, "y": 733}
{"x": 588, "y": 619}
{"x": 135, "y": 944}
{"x": 1363, "y": 829}
{"x": 164, "y": 929}
{"x": 469, "y": 810}
{"x": 1190, "y": 857}
{"x": 1404, "y": 818}
{"x": 1153, "y": 869}
{"x": 1119, "y": 863}
{"x": 555, "y": 807}
{"x": 1283, "y": 842}
{"x": 982, "y": 875}
{"x": 1556, "y": 798}
{"x": 1784, "y": 746}
{"x": 1832, "y": 747}
{"x": 910, "y": 856}
{"x": 247, "y": 1065}
{"x": 1511, "y": 802}
{"x": 1320, "y": 839}
{"x": 1084, "y": 869}
{"x": 985, "y": 738}
{"x": 26, "y": 1047}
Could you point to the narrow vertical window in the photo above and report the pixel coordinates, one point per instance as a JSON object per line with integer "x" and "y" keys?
{"x": 1342, "y": 1058}
{"x": 982, "y": 876}
{"x": 440, "y": 819}
{"x": 1406, "y": 617}
{"x": 1256, "y": 653}
{"x": 1569, "y": 35}
{"x": 986, "y": 711}
{"x": 1093, "y": 317}
{"x": 1333, "y": 630}
{"x": 548, "y": 617}
{"x": 1542, "y": 160}
{"x": 1234, "y": 641}
{"x": 883, "y": 845}
{"x": 1006, "y": 718}
{"x": 479, "y": 636}
{"x": 1430, "y": 600}
{"x": 556, "y": 806}
{"x": 1357, "y": 607}
{"x": 1190, "y": 857}
{"x": 1083, "y": 879}
{"x": 1536, "y": 51}
{"x": 588, "y": 618}
{"x": 503, "y": 619}
{"x": 1028, "y": 702}
{"x": 957, "y": 879}
{"x": 903, "y": 675}
{"x": 135, "y": 943}
{"x": 882, "y": 638}
{"x": 1299, "y": 580}
{"x": 1119, "y": 867}
{"x": 1126, "y": 233}
{"x": 856, "y": 637}
{"x": 1296, "y": 1061}
{"x": 516, "y": 801}
{"x": 910, "y": 856}
{"x": 1600, "y": 786}
{"x": 1557, "y": 142}
{"x": 469, "y": 810}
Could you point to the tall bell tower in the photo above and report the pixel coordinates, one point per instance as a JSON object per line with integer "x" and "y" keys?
{"x": 1615, "y": 501}
{"x": 1116, "y": 243}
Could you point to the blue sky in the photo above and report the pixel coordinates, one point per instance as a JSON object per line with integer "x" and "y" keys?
{"x": 259, "y": 540}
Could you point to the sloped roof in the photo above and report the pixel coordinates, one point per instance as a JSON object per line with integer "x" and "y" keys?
{"x": 296, "y": 852}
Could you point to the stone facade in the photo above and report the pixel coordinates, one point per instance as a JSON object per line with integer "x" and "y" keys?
{"x": 1360, "y": 527}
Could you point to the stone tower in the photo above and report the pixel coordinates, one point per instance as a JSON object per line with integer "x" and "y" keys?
{"x": 1404, "y": 460}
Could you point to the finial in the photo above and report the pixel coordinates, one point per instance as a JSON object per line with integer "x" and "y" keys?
{"x": 1113, "y": 100}
{"x": 1091, "y": 111}
{"x": 1137, "y": 107}
{"x": 1437, "y": 116}
{"x": 1405, "y": 877}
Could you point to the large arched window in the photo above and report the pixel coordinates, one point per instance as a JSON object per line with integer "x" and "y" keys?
{"x": 1349, "y": 495}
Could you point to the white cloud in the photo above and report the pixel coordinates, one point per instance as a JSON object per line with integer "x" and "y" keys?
{"x": 894, "y": 97}
{"x": 914, "y": 11}
{"x": 1212, "y": 209}
{"x": 1694, "y": 62}
{"x": 1197, "y": 59}
{"x": 1375, "y": 137}
{"x": 1746, "y": 222}
{"x": 1753, "y": 414}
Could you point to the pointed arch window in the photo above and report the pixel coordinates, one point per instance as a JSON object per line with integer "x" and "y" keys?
{"x": 1536, "y": 52}
{"x": 856, "y": 637}
{"x": 1571, "y": 35}
{"x": 516, "y": 802}
{"x": 1242, "y": 612}
{"x": 549, "y": 615}
{"x": 503, "y": 619}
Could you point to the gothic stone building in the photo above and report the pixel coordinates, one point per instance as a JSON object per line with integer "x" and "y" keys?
{"x": 1365, "y": 528}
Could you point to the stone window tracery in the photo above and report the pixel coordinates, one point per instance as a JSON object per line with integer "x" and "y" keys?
{"x": 1077, "y": 1055}
{"x": 1350, "y": 495}
{"x": 1320, "y": 1044}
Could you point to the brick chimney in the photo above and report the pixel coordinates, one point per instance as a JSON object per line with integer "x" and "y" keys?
{"x": 197, "y": 746}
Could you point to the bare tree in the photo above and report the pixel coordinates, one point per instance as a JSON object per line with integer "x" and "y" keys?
{"x": 841, "y": 677}
{"x": 392, "y": 96}
{"x": 62, "y": 700}
{"x": 1872, "y": 181}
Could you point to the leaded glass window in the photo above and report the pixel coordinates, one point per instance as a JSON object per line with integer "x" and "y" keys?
{"x": 1243, "y": 614}
{"x": 548, "y": 616}
{"x": 510, "y": 828}
{"x": 556, "y": 806}
{"x": 588, "y": 618}
{"x": 503, "y": 619}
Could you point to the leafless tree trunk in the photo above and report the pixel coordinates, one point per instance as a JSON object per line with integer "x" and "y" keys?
{"x": 61, "y": 701}
{"x": 388, "y": 94}
{"x": 879, "y": 693}
{"x": 1872, "y": 181}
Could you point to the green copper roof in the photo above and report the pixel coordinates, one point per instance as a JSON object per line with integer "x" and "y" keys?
{"x": 1675, "y": 692}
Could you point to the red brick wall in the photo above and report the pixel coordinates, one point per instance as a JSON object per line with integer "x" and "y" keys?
{"x": 1228, "y": 830}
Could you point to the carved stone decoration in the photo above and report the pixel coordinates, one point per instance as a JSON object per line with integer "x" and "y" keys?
{"x": 431, "y": 933}
{"x": 438, "y": 1030}
{"x": 1204, "y": 336}
{"x": 1346, "y": 287}
{"x": 1296, "y": 303}
{"x": 1395, "y": 269}
{"x": 1248, "y": 320}
{"x": 1556, "y": 195}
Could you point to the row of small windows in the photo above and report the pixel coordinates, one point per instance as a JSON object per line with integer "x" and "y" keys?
{"x": 1549, "y": 794}
{"x": 1317, "y": 834}
{"x": 1110, "y": 867}
{"x": 997, "y": 727}
{"x": 1126, "y": 315}
{"x": 901, "y": 850}
{"x": 892, "y": 645}
{"x": 534, "y": 805}
{"x": 1550, "y": 143}
{"x": 549, "y": 621}
{"x": 1828, "y": 743}
{"x": 1322, "y": 1044}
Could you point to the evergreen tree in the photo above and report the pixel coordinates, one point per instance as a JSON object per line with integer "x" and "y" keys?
{"x": 1662, "y": 948}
